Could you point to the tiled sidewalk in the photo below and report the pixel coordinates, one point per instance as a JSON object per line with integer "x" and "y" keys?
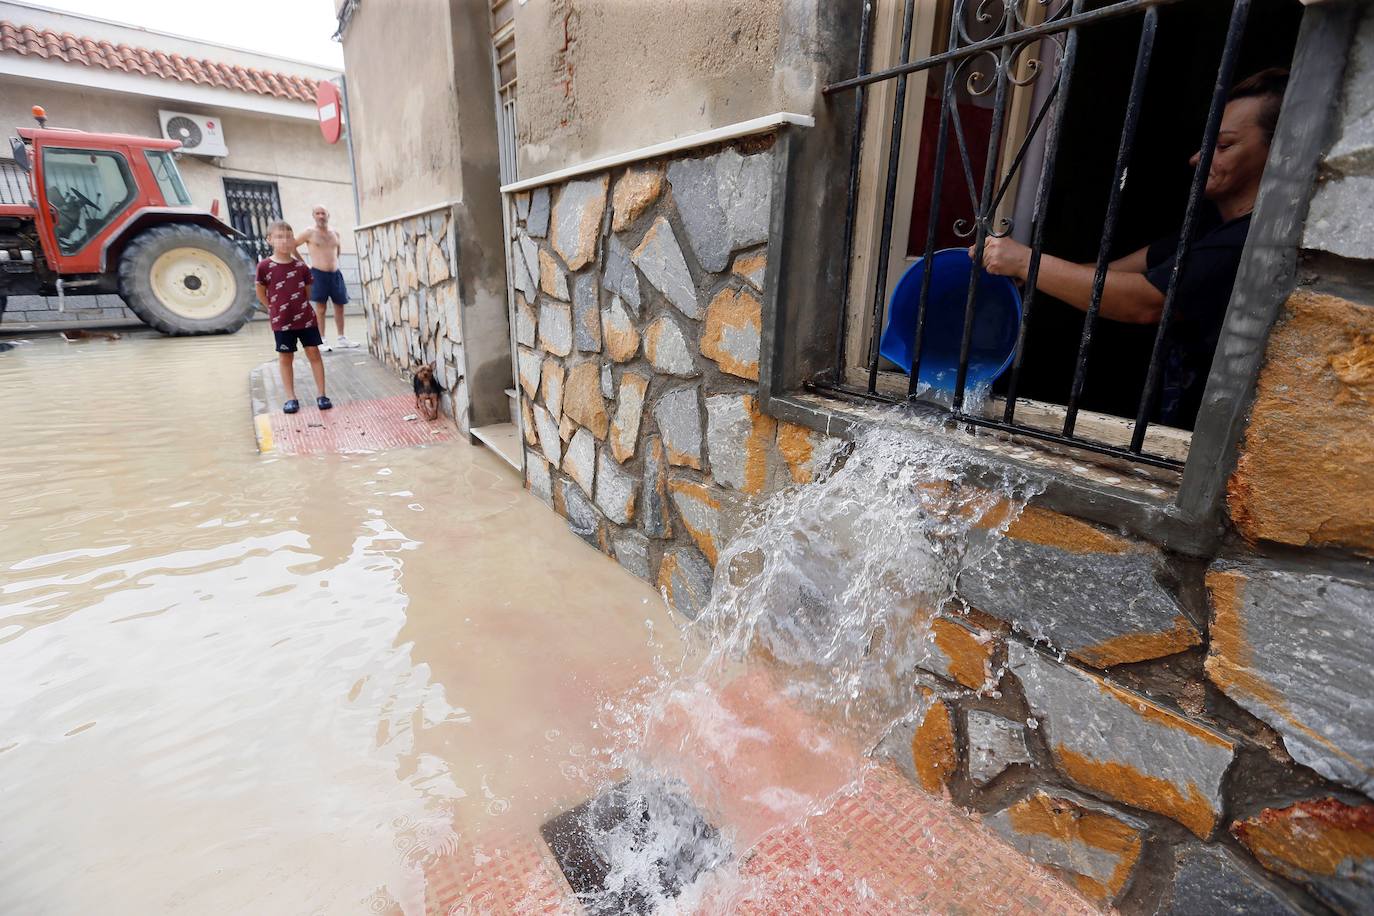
{"x": 882, "y": 847}
{"x": 370, "y": 409}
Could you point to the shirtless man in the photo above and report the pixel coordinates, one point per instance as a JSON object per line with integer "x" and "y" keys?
{"x": 327, "y": 280}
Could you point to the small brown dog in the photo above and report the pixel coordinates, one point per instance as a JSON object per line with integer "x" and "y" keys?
{"x": 427, "y": 392}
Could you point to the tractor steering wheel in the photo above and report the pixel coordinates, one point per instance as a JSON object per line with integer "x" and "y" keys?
{"x": 83, "y": 198}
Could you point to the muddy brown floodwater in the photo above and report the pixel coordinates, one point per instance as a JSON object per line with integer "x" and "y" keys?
{"x": 239, "y": 684}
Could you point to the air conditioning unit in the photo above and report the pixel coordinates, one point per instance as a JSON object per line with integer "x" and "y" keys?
{"x": 200, "y": 135}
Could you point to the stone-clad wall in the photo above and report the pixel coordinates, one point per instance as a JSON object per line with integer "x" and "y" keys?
{"x": 1196, "y": 736}
{"x": 1170, "y": 735}
{"x": 409, "y": 271}
{"x": 638, "y": 325}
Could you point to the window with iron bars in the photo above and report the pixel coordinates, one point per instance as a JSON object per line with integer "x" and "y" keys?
{"x": 1064, "y": 124}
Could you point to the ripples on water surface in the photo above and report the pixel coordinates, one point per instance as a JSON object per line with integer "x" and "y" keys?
{"x": 236, "y": 684}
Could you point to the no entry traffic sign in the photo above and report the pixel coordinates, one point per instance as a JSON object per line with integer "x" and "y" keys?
{"x": 330, "y": 110}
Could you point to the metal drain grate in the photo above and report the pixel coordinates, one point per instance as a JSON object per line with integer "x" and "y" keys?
{"x": 635, "y": 844}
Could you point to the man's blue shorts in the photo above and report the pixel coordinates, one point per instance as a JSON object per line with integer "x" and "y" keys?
{"x": 326, "y": 285}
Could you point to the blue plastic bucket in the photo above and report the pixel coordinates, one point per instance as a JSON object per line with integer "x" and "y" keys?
{"x": 996, "y": 319}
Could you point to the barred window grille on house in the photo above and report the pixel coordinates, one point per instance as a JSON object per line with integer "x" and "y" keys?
{"x": 1068, "y": 126}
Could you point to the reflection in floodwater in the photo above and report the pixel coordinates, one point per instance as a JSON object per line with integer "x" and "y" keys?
{"x": 236, "y": 684}
{"x": 231, "y": 684}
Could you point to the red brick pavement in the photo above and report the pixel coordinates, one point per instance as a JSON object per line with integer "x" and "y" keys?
{"x": 352, "y": 426}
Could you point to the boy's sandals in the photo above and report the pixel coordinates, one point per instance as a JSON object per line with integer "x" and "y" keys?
{"x": 291, "y": 406}
{"x": 323, "y": 403}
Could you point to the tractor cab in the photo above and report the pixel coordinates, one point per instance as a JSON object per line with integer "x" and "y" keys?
{"x": 85, "y": 211}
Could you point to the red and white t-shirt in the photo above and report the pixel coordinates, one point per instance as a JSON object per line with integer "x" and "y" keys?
{"x": 288, "y": 294}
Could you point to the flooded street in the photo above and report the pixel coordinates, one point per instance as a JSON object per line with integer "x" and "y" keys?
{"x": 232, "y": 683}
{"x": 393, "y": 682}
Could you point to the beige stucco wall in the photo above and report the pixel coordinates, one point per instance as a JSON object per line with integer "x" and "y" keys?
{"x": 403, "y": 103}
{"x": 290, "y": 152}
{"x": 599, "y": 77}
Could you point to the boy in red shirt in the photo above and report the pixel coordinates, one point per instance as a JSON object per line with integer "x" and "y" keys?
{"x": 283, "y": 285}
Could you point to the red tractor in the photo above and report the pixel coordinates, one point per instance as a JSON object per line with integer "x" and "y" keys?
{"x": 85, "y": 214}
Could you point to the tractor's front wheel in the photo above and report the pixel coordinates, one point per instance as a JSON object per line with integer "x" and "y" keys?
{"x": 184, "y": 279}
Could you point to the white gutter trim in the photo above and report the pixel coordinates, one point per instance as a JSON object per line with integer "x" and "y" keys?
{"x": 704, "y": 138}
{"x": 443, "y": 205}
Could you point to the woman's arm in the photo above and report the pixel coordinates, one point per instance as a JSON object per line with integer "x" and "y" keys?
{"x": 1127, "y": 296}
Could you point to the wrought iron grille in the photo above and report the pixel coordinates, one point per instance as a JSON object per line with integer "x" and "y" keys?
{"x": 252, "y": 206}
{"x": 1009, "y": 51}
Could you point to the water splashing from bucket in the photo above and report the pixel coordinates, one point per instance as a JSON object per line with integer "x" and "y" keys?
{"x": 805, "y": 656}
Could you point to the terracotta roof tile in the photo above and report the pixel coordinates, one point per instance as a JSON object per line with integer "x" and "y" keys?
{"x": 26, "y": 40}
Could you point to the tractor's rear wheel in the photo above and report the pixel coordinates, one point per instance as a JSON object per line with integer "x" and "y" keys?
{"x": 184, "y": 279}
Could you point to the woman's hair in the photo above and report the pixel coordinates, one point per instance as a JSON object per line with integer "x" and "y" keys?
{"x": 1268, "y": 86}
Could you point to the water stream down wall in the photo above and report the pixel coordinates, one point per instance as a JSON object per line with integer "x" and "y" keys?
{"x": 1158, "y": 729}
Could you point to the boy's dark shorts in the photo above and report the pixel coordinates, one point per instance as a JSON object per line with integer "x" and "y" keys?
{"x": 286, "y": 340}
{"x": 328, "y": 284}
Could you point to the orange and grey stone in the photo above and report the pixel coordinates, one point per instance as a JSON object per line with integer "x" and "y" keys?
{"x": 525, "y": 322}
{"x": 438, "y": 263}
{"x": 555, "y": 327}
{"x": 960, "y": 652}
{"x": 634, "y": 193}
{"x": 537, "y": 477}
{"x": 582, "y": 399}
{"x": 1323, "y": 844}
{"x": 523, "y": 279}
{"x": 660, "y": 260}
{"x": 579, "y": 461}
{"x": 699, "y": 507}
{"x": 684, "y": 578}
{"x": 1121, "y": 744}
{"x": 619, "y": 332}
{"x": 552, "y": 279}
{"x": 934, "y": 750}
{"x": 994, "y": 744}
{"x": 629, "y": 410}
{"x": 654, "y": 503}
{"x": 1093, "y": 847}
{"x": 566, "y": 428}
{"x": 1091, "y": 593}
{"x": 751, "y": 267}
{"x": 551, "y": 387}
{"x": 538, "y": 220}
{"x": 620, "y": 276}
{"x": 739, "y": 441}
{"x": 1304, "y": 475}
{"x": 678, "y": 417}
{"x": 666, "y": 346}
{"x": 587, "y": 312}
{"x": 528, "y": 365}
{"x": 803, "y": 449}
{"x": 616, "y": 490}
{"x": 1209, "y": 878}
{"x": 734, "y": 323}
{"x": 724, "y": 202}
{"x": 529, "y": 251}
{"x": 582, "y": 516}
{"x": 527, "y": 422}
{"x": 577, "y": 220}
{"x": 550, "y": 442}
{"x": 632, "y": 551}
{"x": 1293, "y": 647}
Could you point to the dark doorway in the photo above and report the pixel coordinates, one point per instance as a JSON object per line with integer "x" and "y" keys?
{"x": 1173, "y": 112}
{"x": 252, "y": 206}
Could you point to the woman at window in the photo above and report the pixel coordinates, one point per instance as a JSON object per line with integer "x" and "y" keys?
{"x": 1136, "y": 284}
